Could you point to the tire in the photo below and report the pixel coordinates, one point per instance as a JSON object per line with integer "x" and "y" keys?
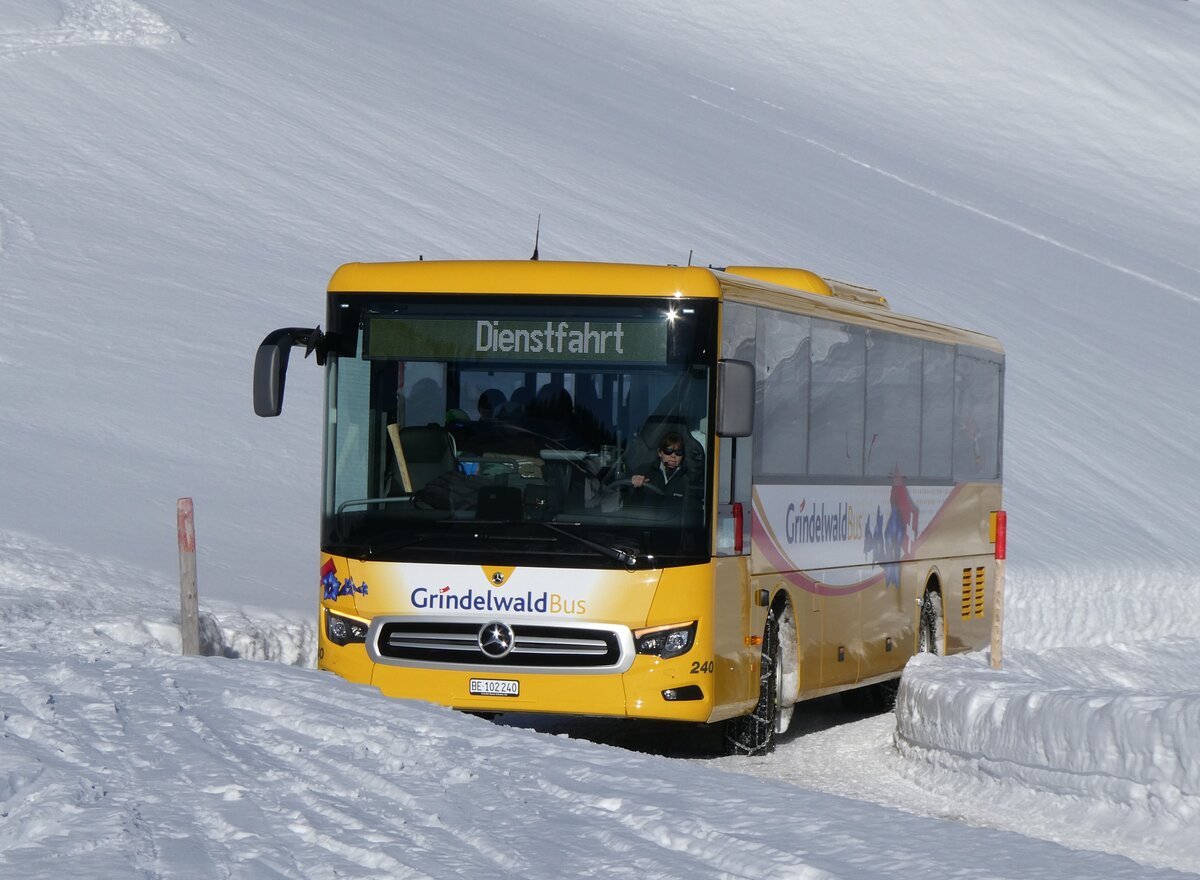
{"x": 930, "y": 628}
{"x": 871, "y": 699}
{"x": 885, "y": 694}
{"x": 754, "y": 734}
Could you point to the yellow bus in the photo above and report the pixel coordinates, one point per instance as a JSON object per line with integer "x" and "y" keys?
{"x": 658, "y": 492}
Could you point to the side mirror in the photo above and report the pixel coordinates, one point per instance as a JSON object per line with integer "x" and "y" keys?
{"x": 735, "y": 398}
{"x": 271, "y": 361}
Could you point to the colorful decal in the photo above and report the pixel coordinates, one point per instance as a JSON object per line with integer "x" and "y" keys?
{"x": 333, "y": 589}
{"x": 887, "y": 544}
{"x": 846, "y": 538}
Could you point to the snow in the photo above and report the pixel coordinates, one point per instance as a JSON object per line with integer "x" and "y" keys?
{"x": 120, "y": 758}
{"x": 1098, "y": 725}
{"x": 180, "y": 177}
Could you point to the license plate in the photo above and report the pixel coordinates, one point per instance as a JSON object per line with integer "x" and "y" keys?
{"x": 495, "y": 687}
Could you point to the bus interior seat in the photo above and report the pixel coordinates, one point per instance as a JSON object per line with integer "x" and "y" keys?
{"x": 514, "y": 407}
{"x": 428, "y": 452}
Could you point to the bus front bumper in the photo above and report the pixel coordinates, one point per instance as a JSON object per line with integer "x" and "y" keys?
{"x": 677, "y": 689}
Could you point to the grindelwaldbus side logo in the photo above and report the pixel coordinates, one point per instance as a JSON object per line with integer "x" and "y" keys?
{"x": 819, "y": 525}
{"x": 842, "y": 527}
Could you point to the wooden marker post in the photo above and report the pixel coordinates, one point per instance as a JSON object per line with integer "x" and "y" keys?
{"x": 998, "y": 589}
{"x": 189, "y": 606}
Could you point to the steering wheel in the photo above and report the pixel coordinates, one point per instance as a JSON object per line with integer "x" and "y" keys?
{"x": 617, "y": 485}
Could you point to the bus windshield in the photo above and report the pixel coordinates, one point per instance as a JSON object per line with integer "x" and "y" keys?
{"x": 519, "y": 430}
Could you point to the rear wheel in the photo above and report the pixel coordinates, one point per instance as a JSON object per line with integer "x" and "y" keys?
{"x": 930, "y": 633}
{"x": 872, "y": 699}
{"x": 754, "y": 734}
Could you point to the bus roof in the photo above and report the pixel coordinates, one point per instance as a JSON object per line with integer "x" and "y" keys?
{"x": 789, "y": 289}
{"x": 524, "y": 276}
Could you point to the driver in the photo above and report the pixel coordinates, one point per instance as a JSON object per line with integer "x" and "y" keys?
{"x": 669, "y": 477}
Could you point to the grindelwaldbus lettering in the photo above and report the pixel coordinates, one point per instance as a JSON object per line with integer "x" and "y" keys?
{"x": 817, "y": 526}
{"x": 423, "y": 599}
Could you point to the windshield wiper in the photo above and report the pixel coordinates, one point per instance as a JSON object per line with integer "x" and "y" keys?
{"x": 626, "y": 559}
{"x": 371, "y": 549}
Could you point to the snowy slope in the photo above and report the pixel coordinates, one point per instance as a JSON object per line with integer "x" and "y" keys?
{"x": 179, "y": 177}
{"x": 182, "y": 177}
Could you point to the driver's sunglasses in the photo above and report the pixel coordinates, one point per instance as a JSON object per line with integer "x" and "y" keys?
{"x": 671, "y": 450}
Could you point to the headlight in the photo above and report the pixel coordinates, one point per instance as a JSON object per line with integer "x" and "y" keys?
{"x": 665, "y": 641}
{"x": 344, "y": 630}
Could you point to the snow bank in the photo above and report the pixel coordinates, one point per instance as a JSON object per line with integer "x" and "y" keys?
{"x": 1095, "y": 707}
{"x": 109, "y": 604}
{"x": 1109, "y": 731}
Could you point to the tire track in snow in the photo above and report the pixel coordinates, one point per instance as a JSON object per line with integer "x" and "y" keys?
{"x": 693, "y": 846}
{"x": 371, "y": 787}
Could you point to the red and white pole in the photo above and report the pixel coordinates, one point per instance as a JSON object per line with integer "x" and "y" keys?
{"x": 189, "y": 604}
{"x": 998, "y": 589}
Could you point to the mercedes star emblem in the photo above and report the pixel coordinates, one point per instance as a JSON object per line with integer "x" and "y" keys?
{"x": 496, "y": 639}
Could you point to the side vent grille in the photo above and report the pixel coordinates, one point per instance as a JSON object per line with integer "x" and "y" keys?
{"x": 973, "y": 600}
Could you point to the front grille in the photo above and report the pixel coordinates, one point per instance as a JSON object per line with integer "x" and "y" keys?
{"x": 535, "y": 646}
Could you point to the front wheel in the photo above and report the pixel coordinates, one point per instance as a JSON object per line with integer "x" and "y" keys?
{"x": 754, "y": 734}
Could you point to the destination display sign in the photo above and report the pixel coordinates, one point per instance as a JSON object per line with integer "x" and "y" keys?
{"x": 524, "y": 339}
